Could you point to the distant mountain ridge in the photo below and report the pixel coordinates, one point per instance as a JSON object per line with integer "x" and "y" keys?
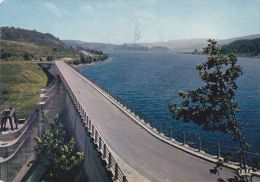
{"x": 180, "y": 46}
{"x": 90, "y": 45}
{"x": 109, "y": 47}
{"x": 189, "y": 45}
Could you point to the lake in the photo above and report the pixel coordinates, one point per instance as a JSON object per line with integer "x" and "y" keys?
{"x": 150, "y": 81}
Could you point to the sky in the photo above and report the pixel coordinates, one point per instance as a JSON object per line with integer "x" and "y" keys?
{"x": 118, "y": 21}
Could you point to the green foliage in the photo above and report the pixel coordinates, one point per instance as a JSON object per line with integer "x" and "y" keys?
{"x": 103, "y": 57}
{"x": 27, "y": 57}
{"x": 100, "y": 55}
{"x": 20, "y": 85}
{"x": 5, "y": 55}
{"x": 92, "y": 57}
{"x": 213, "y": 106}
{"x": 76, "y": 62}
{"x": 243, "y": 47}
{"x": 50, "y": 58}
{"x": 85, "y": 59}
{"x": 55, "y": 147}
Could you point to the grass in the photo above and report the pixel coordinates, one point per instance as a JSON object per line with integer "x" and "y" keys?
{"x": 20, "y": 85}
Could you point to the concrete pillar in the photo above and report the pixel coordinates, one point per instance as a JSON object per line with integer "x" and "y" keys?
{"x": 218, "y": 150}
{"x": 199, "y": 144}
{"x": 105, "y": 151}
{"x": 109, "y": 160}
{"x": 116, "y": 172}
{"x": 170, "y": 133}
{"x": 183, "y": 138}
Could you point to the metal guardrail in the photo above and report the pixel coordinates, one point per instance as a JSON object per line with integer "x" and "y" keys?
{"x": 193, "y": 141}
{"x": 93, "y": 132}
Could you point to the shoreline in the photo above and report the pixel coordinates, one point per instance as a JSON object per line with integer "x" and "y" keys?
{"x": 239, "y": 56}
{"x": 81, "y": 65}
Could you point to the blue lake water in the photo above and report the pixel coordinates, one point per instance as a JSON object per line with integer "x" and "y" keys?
{"x": 149, "y": 81}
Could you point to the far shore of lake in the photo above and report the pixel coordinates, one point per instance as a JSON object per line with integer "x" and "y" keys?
{"x": 189, "y": 53}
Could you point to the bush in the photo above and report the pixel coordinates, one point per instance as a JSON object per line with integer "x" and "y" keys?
{"x": 59, "y": 151}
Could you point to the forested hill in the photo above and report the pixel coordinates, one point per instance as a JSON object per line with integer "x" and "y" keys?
{"x": 21, "y": 44}
{"x": 31, "y": 36}
{"x": 243, "y": 47}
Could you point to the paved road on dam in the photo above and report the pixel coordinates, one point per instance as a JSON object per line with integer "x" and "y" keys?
{"x": 146, "y": 154}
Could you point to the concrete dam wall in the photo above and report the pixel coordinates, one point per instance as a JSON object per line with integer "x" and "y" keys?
{"x": 17, "y": 149}
{"x": 94, "y": 166}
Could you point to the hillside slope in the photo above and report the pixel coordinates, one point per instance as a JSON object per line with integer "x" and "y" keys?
{"x": 243, "y": 47}
{"x": 21, "y": 44}
{"x": 20, "y": 86}
{"x": 32, "y": 36}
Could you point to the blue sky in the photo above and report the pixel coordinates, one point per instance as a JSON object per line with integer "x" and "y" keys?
{"x": 114, "y": 21}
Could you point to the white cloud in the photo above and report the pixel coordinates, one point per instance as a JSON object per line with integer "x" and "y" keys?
{"x": 54, "y": 9}
{"x": 145, "y": 14}
{"x": 1, "y": 1}
{"x": 61, "y": 13}
{"x": 86, "y": 9}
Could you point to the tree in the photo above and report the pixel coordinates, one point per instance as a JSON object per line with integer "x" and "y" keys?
{"x": 82, "y": 58}
{"x": 213, "y": 106}
{"x": 4, "y": 54}
{"x": 50, "y": 58}
{"x": 27, "y": 57}
{"x": 59, "y": 152}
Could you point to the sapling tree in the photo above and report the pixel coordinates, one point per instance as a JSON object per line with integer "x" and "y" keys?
{"x": 55, "y": 147}
{"x": 213, "y": 106}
